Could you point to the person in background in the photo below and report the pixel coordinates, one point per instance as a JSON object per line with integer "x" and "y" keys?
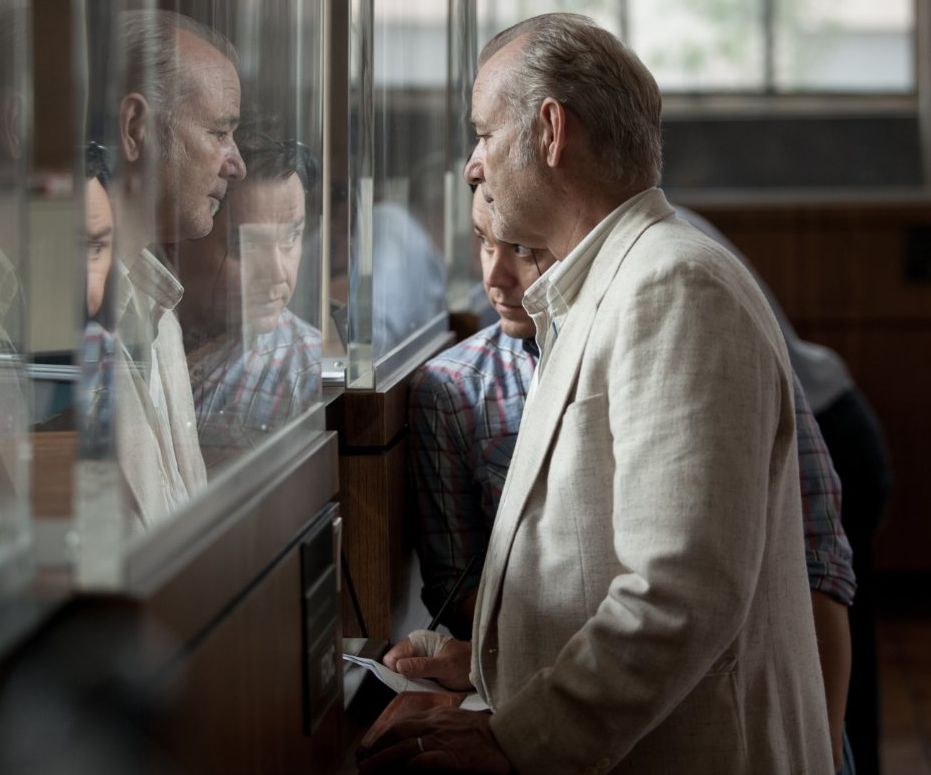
{"x": 95, "y": 398}
{"x": 644, "y": 603}
{"x": 14, "y": 387}
{"x": 254, "y": 364}
{"x": 98, "y": 231}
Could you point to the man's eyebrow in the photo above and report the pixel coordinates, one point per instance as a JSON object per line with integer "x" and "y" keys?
{"x": 96, "y": 236}
{"x": 231, "y": 121}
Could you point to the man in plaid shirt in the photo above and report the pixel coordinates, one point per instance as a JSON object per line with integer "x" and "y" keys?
{"x": 254, "y": 364}
{"x": 465, "y": 411}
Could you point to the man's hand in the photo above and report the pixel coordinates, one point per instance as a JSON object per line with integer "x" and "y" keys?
{"x": 427, "y": 654}
{"x": 442, "y": 740}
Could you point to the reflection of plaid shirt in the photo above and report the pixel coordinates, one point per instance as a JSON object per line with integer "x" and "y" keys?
{"x": 95, "y": 393}
{"x": 9, "y": 295}
{"x": 466, "y": 407}
{"x": 241, "y": 394}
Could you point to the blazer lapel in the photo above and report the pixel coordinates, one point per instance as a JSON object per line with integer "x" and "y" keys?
{"x": 556, "y": 387}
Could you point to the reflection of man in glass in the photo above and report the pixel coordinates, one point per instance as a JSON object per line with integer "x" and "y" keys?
{"x": 254, "y": 364}
{"x": 14, "y": 417}
{"x": 98, "y": 228}
{"x": 98, "y": 342}
{"x": 179, "y": 108}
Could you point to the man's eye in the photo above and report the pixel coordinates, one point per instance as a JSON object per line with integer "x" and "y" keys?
{"x": 522, "y": 252}
{"x": 95, "y": 249}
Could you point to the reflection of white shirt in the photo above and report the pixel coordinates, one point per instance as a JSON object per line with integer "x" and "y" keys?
{"x": 156, "y": 429}
{"x": 14, "y": 415}
{"x": 9, "y": 290}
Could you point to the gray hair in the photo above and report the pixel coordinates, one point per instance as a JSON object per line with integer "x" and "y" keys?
{"x": 153, "y": 67}
{"x": 570, "y": 58}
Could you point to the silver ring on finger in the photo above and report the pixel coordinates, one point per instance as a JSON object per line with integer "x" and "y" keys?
{"x": 420, "y": 744}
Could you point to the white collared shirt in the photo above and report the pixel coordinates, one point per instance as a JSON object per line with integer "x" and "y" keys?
{"x": 156, "y": 426}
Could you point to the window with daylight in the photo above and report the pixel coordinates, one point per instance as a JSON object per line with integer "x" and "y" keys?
{"x": 753, "y": 46}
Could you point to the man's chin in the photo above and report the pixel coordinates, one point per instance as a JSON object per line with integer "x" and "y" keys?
{"x": 192, "y": 230}
{"x": 518, "y": 329}
{"x": 262, "y": 324}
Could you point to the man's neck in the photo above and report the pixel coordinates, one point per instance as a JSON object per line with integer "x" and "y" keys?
{"x": 581, "y": 213}
{"x": 132, "y": 236}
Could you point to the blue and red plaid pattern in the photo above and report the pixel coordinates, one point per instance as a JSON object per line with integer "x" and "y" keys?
{"x": 240, "y": 394}
{"x": 465, "y": 409}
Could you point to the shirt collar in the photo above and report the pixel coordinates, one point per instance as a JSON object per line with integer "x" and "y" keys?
{"x": 549, "y": 298}
{"x": 146, "y": 274}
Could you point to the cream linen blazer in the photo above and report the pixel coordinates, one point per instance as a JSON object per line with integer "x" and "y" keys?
{"x": 644, "y": 605}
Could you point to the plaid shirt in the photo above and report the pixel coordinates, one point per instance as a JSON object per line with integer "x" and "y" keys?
{"x": 95, "y": 393}
{"x": 243, "y": 393}
{"x": 466, "y": 406}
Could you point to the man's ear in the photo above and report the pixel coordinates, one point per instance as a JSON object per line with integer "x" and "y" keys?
{"x": 134, "y": 119}
{"x": 553, "y": 137}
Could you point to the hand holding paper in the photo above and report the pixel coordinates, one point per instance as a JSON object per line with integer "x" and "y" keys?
{"x": 428, "y": 654}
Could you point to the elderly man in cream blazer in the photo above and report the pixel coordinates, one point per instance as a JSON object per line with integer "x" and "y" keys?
{"x": 643, "y": 606}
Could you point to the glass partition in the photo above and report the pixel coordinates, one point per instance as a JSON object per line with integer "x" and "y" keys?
{"x": 15, "y": 112}
{"x": 176, "y": 241}
{"x": 465, "y": 276}
{"x": 396, "y": 283}
{"x": 181, "y": 214}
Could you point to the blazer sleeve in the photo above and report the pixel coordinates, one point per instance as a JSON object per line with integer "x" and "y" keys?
{"x": 698, "y": 401}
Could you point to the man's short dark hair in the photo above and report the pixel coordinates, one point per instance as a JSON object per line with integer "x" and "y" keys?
{"x": 270, "y": 159}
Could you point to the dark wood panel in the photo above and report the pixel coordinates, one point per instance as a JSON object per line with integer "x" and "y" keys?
{"x": 53, "y": 458}
{"x": 240, "y": 705}
{"x": 245, "y": 547}
{"x": 892, "y": 367}
{"x": 839, "y": 271}
{"x": 825, "y": 266}
{"x": 54, "y": 99}
{"x": 372, "y": 497}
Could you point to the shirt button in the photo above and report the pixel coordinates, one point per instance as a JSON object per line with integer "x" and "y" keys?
{"x": 493, "y": 650}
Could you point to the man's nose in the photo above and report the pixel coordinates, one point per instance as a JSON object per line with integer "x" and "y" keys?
{"x": 498, "y": 272}
{"x": 474, "y": 172}
{"x": 276, "y": 267}
{"x": 234, "y": 168}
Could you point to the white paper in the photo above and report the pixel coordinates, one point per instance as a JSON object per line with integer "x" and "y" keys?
{"x": 399, "y": 683}
{"x": 395, "y": 680}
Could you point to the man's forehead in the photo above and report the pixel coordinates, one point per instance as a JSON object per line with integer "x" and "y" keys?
{"x": 278, "y": 200}
{"x": 206, "y": 67}
{"x": 498, "y": 68}
{"x": 195, "y": 51}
